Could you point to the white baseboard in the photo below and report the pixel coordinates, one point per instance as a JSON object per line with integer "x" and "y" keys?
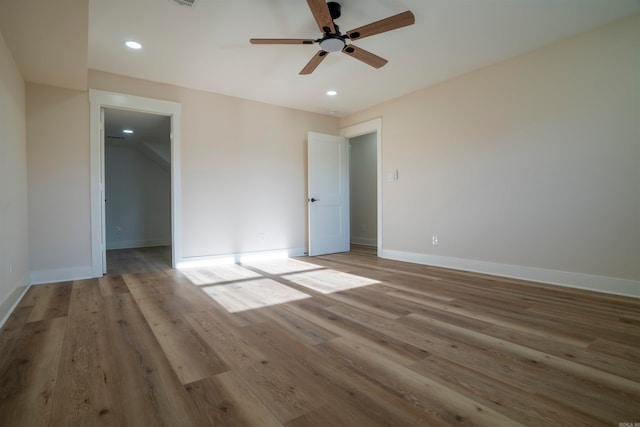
{"x": 203, "y": 261}
{"x": 61, "y": 275}
{"x": 610, "y": 285}
{"x": 365, "y": 241}
{"x": 12, "y": 300}
{"x": 128, "y": 244}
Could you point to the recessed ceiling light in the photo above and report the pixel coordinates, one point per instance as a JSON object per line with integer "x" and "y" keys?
{"x": 133, "y": 45}
{"x": 332, "y": 93}
{"x": 127, "y": 131}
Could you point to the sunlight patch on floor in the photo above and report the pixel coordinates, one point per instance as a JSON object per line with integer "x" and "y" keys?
{"x": 279, "y": 265}
{"x": 218, "y": 274}
{"x": 197, "y": 263}
{"x": 263, "y": 256}
{"x": 329, "y": 281}
{"x": 253, "y": 294}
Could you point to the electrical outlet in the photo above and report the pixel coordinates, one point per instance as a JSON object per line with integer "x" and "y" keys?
{"x": 434, "y": 240}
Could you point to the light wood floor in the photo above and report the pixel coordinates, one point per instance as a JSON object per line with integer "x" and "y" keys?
{"x": 348, "y": 340}
{"x": 122, "y": 261}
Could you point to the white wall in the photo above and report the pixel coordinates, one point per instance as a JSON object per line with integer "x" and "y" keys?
{"x": 527, "y": 168}
{"x": 243, "y": 172}
{"x": 242, "y": 164}
{"x": 363, "y": 189}
{"x": 14, "y": 258}
{"x": 138, "y": 194}
{"x": 58, "y": 169}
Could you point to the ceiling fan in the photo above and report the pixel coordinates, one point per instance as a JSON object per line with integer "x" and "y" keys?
{"x": 334, "y": 41}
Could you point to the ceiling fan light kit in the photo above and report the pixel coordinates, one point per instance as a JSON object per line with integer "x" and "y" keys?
{"x": 334, "y": 41}
{"x": 332, "y": 44}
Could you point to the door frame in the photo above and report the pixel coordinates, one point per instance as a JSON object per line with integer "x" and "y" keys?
{"x": 97, "y": 101}
{"x": 364, "y": 128}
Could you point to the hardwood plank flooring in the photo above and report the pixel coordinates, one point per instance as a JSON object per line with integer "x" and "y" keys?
{"x": 87, "y": 375}
{"x": 337, "y": 340}
{"x": 121, "y": 261}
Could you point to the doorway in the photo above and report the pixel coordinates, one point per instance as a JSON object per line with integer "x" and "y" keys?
{"x": 99, "y": 101}
{"x": 137, "y": 169}
{"x": 372, "y": 131}
{"x": 363, "y": 191}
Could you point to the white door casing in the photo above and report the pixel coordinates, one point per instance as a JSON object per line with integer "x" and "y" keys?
{"x": 103, "y": 201}
{"x": 97, "y": 100}
{"x": 371, "y": 126}
{"x": 328, "y": 194}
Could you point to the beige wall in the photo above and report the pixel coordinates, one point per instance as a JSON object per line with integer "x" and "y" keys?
{"x": 242, "y": 165}
{"x": 58, "y": 164}
{"x": 14, "y": 258}
{"x": 533, "y": 162}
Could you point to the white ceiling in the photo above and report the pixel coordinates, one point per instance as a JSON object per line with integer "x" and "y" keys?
{"x": 147, "y": 128}
{"x": 207, "y": 46}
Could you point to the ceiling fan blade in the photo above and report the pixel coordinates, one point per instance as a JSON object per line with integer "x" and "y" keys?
{"x": 365, "y": 56}
{"x": 321, "y": 14}
{"x": 315, "y": 61}
{"x": 391, "y": 23}
{"x": 282, "y": 41}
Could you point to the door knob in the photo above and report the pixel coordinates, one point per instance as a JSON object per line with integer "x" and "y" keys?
{"x": 314, "y": 200}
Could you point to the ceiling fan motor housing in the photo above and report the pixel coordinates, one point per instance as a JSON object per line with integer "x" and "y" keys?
{"x": 334, "y": 9}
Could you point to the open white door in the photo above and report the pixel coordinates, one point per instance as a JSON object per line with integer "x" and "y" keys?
{"x": 103, "y": 201}
{"x": 328, "y": 194}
